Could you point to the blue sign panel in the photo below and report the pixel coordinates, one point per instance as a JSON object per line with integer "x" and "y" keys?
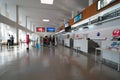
{"x": 50, "y": 29}
{"x": 78, "y": 18}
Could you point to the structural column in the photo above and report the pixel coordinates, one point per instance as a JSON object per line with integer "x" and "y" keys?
{"x": 72, "y": 14}
{"x": 26, "y": 24}
{"x": 64, "y": 21}
{"x": 17, "y": 22}
{"x": 30, "y": 25}
{"x": 34, "y": 28}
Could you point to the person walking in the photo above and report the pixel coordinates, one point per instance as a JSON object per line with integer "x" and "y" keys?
{"x": 53, "y": 41}
{"x": 50, "y": 40}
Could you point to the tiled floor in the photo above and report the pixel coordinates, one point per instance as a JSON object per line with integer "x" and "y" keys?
{"x": 55, "y": 63}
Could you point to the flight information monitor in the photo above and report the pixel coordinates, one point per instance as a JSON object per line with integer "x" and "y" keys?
{"x": 50, "y": 29}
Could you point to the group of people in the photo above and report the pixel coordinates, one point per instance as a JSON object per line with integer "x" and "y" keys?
{"x": 10, "y": 40}
{"x": 47, "y": 41}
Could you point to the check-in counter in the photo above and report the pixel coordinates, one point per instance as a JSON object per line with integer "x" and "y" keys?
{"x": 81, "y": 44}
{"x": 67, "y": 42}
{"x": 110, "y": 51}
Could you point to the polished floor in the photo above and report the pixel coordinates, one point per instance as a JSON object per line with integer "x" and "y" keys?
{"x": 54, "y": 63}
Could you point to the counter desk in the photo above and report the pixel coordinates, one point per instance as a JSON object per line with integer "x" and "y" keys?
{"x": 109, "y": 54}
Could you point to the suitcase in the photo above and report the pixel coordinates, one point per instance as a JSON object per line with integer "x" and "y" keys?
{"x": 38, "y": 46}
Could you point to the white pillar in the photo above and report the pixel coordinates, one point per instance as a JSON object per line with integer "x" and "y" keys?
{"x": 72, "y": 14}
{"x": 64, "y": 21}
{"x": 26, "y": 24}
{"x": 34, "y": 28}
{"x": 17, "y": 22}
{"x": 30, "y": 25}
{"x": 6, "y": 10}
{"x": 6, "y": 14}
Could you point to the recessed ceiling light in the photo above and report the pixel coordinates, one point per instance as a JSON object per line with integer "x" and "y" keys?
{"x": 46, "y": 20}
{"x": 47, "y": 2}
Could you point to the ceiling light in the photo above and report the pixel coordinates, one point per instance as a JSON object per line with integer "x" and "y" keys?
{"x": 47, "y": 1}
{"x": 46, "y": 20}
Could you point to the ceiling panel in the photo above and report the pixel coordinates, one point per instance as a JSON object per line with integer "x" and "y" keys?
{"x": 60, "y": 10}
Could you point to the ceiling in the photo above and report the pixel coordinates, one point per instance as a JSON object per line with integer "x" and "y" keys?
{"x": 60, "y": 11}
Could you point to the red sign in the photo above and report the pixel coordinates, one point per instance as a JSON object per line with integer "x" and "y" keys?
{"x": 116, "y": 33}
{"x": 40, "y": 29}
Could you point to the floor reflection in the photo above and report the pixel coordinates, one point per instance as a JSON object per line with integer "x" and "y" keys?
{"x": 51, "y": 63}
{"x": 10, "y": 54}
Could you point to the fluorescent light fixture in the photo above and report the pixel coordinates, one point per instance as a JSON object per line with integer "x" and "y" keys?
{"x": 46, "y": 20}
{"x": 47, "y": 2}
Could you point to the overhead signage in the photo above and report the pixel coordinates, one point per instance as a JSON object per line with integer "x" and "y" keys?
{"x": 78, "y": 18}
{"x": 40, "y": 29}
{"x": 50, "y": 29}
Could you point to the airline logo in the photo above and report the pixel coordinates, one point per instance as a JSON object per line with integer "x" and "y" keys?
{"x": 116, "y": 32}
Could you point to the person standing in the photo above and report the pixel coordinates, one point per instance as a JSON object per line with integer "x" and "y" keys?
{"x": 50, "y": 41}
{"x": 45, "y": 41}
{"x": 53, "y": 41}
{"x": 8, "y": 40}
{"x": 12, "y": 40}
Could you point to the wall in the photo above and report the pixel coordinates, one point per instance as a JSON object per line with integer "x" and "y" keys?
{"x": 12, "y": 28}
{"x": 105, "y": 30}
{"x": 2, "y": 6}
{"x": 11, "y": 9}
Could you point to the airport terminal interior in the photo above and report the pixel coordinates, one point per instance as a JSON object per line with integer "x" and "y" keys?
{"x": 59, "y": 39}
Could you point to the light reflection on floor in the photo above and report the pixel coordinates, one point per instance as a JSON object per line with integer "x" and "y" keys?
{"x": 51, "y": 63}
{"x": 10, "y": 54}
